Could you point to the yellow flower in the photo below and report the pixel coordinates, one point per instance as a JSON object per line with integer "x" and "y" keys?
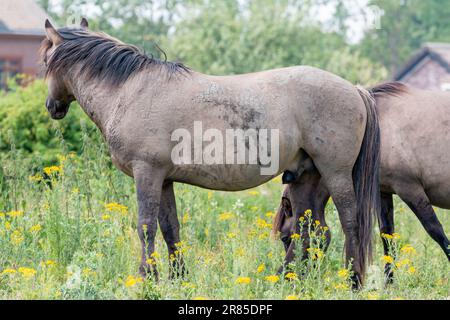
{"x": 270, "y": 214}
{"x": 188, "y": 285}
{"x": 210, "y": 195}
{"x": 372, "y": 296}
{"x": 408, "y": 249}
{"x": 2, "y": 215}
{"x": 27, "y": 272}
{"x": 261, "y": 223}
{"x": 291, "y": 276}
{"x": 317, "y": 223}
{"x": 131, "y": 281}
{"x": 50, "y": 263}
{"x": 151, "y": 261}
{"x": 243, "y": 280}
{"x": 292, "y": 297}
{"x": 277, "y": 179}
{"x": 388, "y": 259}
{"x": 17, "y": 237}
{"x": 225, "y": 216}
{"x": 155, "y": 255}
{"x": 185, "y": 218}
{"x": 308, "y": 212}
{"x": 273, "y": 278}
{"x": 261, "y": 268}
{"x": 116, "y": 207}
{"x": 253, "y": 193}
{"x": 343, "y": 273}
{"x": 106, "y": 217}
{"x": 36, "y": 228}
{"x": 411, "y": 270}
{"x": 8, "y": 271}
{"x": 295, "y": 236}
{"x": 403, "y": 262}
{"x": 200, "y": 298}
{"x": 7, "y": 225}
{"x": 341, "y": 286}
{"x": 231, "y": 235}
{"x": 315, "y": 253}
{"x": 51, "y": 170}
{"x": 89, "y": 272}
{"x": 254, "y": 208}
{"x": 15, "y": 214}
{"x": 35, "y": 178}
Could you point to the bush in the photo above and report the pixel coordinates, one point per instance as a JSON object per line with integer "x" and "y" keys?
{"x": 26, "y": 124}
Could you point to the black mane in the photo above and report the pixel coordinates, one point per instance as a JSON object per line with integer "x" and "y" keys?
{"x": 100, "y": 56}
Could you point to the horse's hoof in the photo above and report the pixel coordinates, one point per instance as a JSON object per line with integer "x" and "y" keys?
{"x": 149, "y": 272}
{"x": 356, "y": 282}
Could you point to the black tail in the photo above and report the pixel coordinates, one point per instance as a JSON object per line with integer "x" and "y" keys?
{"x": 366, "y": 180}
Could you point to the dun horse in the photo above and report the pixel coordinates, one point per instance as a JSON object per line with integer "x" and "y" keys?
{"x": 137, "y": 102}
{"x": 415, "y": 165}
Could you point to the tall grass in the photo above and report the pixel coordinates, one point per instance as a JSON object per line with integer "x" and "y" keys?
{"x": 68, "y": 231}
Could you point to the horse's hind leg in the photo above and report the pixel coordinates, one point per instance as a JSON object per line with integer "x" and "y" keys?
{"x": 386, "y": 223}
{"x": 170, "y": 228}
{"x": 419, "y": 203}
{"x": 342, "y": 191}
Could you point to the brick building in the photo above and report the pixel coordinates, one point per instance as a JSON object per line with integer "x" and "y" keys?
{"x": 428, "y": 69}
{"x": 21, "y": 32}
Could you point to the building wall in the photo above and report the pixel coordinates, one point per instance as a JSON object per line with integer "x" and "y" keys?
{"x": 428, "y": 74}
{"x": 24, "y": 47}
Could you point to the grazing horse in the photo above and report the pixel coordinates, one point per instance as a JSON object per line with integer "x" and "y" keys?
{"x": 415, "y": 165}
{"x": 138, "y": 102}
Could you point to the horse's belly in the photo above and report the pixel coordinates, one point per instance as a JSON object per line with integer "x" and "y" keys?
{"x": 221, "y": 177}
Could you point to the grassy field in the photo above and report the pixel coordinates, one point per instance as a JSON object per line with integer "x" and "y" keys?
{"x": 68, "y": 231}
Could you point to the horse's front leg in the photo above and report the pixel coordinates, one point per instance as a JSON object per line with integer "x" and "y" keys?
{"x": 170, "y": 228}
{"x": 149, "y": 182}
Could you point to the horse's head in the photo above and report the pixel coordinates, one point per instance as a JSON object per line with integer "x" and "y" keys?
{"x": 59, "y": 92}
{"x": 284, "y": 221}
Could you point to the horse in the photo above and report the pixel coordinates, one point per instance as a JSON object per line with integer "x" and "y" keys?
{"x": 415, "y": 165}
{"x": 138, "y": 102}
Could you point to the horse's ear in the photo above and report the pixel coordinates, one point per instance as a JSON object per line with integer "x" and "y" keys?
{"x": 84, "y": 24}
{"x": 52, "y": 34}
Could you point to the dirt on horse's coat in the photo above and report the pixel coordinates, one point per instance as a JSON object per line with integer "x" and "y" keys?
{"x": 138, "y": 101}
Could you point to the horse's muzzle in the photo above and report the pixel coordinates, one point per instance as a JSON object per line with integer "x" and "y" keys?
{"x": 57, "y": 109}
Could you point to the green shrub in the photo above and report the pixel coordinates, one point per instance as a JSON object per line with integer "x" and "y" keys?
{"x": 26, "y": 124}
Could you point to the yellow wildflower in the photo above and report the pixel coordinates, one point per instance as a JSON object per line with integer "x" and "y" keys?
{"x": 270, "y": 214}
{"x": 15, "y": 214}
{"x": 35, "y": 178}
{"x": 106, "y": 217}
{"x": 295, "y": 236}
{"x": 317, "y": 223}
{"x": 273, "y": 278}
{"x": 308, "y": 212}
{"x": 343, "y": 273}
{"x": 131, "y": 281}
{"x": 291, "y": 276}
{"x": 210, "y": 195}
{"x": 36, "y": 228}
{"x": 2, "y": 215}
{"x": 408, "y": 249}
{"x": 51, "y": 170}
{"x": 8, "y": 271}
{"x": 7, "y": 225}
{"x": 200, "y": 298}
{"x": 341, "y": 286}
{"x": 27, "y": 272}
{"x": 261, "y": 268}
{"x": 411, "y": 270}
{"x": 225, "y": 216}
{"x": 243, "y": 280}
{"x": 372, "y": 296}
{"x": 50, "y": 263}
{"x": 261, "y": 223}
{"x": 388, "y": 259}
{"x": 17, "y": 237}
{"x": 292, "y": 297}
{"x": 253, "y": 193}
{"x": 315, "y": 253}
{"x": 185, "y": 218}
{"x": 116, "y": 207}
{"x": 188, "y": 285}
{"x": 403, "y": 262}
{"x": 231, "y": 235}
{"x": 151, "y": 261}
